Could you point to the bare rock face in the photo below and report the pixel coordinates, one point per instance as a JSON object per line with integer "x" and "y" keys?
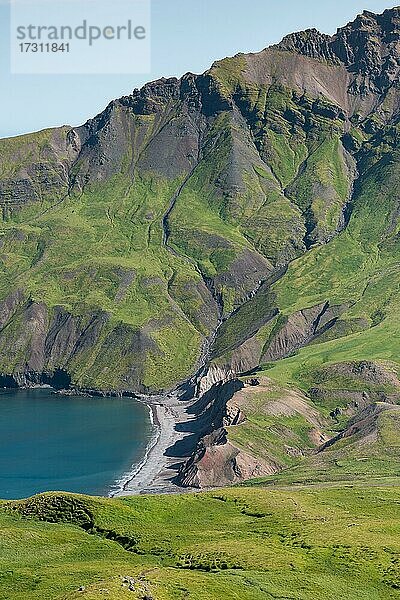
{"x": 310, "y": 43}
{"x": 368, "y": 47}
{"x": 233, "y": 415}
{"x": 192, "y": 101}
{"x": 214, "y": 375}
{"x": 217, "y": 462}
{"x": 39, "y": 343}
{"x": 10, "y": 305}
{"x": 36, "y": 172}
{"x": 300, "y": 329}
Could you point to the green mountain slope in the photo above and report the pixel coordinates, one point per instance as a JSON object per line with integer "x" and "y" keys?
{"x": 230, "y": 240}
{"x": 245, "y": 543}
{"x": 199, "y": 229}
{"x": 132, "y": 235}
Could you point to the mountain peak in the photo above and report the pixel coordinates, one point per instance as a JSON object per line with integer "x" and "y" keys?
{"x": 369, "y": 47}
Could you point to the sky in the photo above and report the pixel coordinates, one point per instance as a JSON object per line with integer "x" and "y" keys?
{"x": 186, "y": 35}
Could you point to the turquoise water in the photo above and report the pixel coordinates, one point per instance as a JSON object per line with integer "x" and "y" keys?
{"x": 68, "y": 443}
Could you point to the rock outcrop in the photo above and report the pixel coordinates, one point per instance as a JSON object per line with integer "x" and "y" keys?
{"x": 368, "y": 47}
{"x": 217, "y": 462}
{"x": 217, "y": 459}
{"x": 300, "y": 329}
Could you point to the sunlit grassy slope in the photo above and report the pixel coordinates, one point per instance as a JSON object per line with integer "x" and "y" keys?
{"x": 237, "y": 543}
{"x": 84, "y": 231}
{"x": 360, "y": 269}
{"x": 90, "y": 254}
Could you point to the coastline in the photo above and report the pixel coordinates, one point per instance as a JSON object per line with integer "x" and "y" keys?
{"x": 155, "y": 470}
{"x": 119, "y": 486}
{"x": 153, "y": 474}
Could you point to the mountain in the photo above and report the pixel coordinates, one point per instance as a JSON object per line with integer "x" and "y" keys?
{"x": 214, "y": 225}
{"x": 228, "y": 246}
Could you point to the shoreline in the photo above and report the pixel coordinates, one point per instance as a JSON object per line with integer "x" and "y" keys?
{"x": 120, "y": 485}
{"x": 154, "y": 472}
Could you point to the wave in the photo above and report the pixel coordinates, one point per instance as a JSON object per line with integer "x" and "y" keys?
{"x": 120, "y": 484}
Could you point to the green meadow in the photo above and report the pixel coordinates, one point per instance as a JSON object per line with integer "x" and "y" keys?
{"x": 245, "y": 543}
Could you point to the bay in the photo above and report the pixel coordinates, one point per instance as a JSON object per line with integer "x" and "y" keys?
{"x": 50, "y": 442}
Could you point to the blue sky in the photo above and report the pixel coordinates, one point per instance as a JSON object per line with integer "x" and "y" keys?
{"x": 187, "y": 35}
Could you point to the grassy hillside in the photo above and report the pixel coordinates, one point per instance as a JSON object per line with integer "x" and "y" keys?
{"x": 132, "y": 235}
{"x": 359, "y": 269}
{"x": 89, "y": 254}
{"x": 247, "y": 543}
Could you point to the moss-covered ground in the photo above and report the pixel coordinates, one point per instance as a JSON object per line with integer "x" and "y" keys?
{"x": 236, "y": 543}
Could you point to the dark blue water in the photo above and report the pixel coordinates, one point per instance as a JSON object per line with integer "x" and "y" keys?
{"x": 68, "y": 443}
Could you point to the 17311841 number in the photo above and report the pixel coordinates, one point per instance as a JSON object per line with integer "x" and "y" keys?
{"x": 43, "y": 47}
